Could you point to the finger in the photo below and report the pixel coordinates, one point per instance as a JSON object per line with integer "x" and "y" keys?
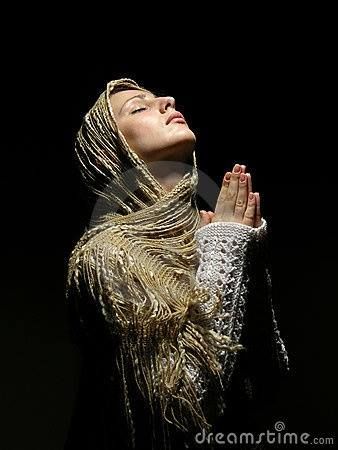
{"x": 237, "y": 168}
{"x": 211, "y": 214}
{"x": 242, "y": 198}
{"x": 205, "y": 219}
{"x": 249, "y": 182}
{"x": 226, "y": 180}
{"x": 258, "y": 220}
{"x": 243, "y": 168}
{"x": 232, "y": 192}
{"x": 223, "y": 194}
{"x": 250, "y": 212}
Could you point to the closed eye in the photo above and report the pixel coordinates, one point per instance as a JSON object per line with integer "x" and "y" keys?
{"x": 137, "y": 110}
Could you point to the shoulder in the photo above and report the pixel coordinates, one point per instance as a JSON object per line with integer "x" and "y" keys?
{"x": 97, "y": 241}
{"x": 95, "y": 253}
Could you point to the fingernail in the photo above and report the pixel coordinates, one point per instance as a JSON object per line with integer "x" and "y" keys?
{"x": 251, "y": 196}
{"x": 237, "y": 168}
{"x": 227, "y": 176}
{"x": 242, "y": 177}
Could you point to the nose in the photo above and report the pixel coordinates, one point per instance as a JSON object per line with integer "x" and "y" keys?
{"x": 165, "y": 103}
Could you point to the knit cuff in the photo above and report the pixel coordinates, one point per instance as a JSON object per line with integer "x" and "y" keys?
{"x": 233, "y": 229}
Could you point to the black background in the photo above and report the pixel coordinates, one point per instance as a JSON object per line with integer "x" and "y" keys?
{"x": 252, "y": 97}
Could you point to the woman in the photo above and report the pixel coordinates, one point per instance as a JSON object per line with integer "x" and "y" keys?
{"x": 159, "y": 286}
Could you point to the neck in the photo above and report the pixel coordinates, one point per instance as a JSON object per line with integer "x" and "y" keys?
{"x": 169, "y": 173}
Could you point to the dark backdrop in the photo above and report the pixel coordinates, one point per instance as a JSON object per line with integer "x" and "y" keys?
{"x": 253, "y": 101}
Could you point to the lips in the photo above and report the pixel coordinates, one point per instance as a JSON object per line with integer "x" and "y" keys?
{"x": 175, "y": 116}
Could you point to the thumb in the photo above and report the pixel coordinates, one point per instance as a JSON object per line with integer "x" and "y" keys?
{"x": 205, "y": 219}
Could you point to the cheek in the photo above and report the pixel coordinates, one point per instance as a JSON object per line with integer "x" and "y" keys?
{"x": 144, "y": 132}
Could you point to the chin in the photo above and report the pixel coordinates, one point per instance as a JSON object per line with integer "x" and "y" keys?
{"x": 186, "y": 134}
{"x": 185, "y": 138}
{"x": 178, "y": 148}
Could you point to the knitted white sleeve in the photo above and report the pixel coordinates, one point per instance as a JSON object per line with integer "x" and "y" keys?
{"x": 225, "y": 251}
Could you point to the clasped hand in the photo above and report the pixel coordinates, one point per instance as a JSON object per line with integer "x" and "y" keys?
{"x": 236, "y": 201}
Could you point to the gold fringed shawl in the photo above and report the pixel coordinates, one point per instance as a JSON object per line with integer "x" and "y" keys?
{"x": 139, "y": 266}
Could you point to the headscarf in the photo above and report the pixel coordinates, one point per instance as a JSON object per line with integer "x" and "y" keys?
{"x": 138, "y": 263}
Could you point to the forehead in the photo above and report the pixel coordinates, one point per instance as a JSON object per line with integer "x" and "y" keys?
{"x": 119, "y": 98}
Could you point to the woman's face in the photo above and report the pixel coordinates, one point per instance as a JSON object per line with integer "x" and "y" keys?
{"x": 150, "y": 127}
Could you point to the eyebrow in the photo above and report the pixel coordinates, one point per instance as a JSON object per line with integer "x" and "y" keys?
{"x": 131, "y": 98}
